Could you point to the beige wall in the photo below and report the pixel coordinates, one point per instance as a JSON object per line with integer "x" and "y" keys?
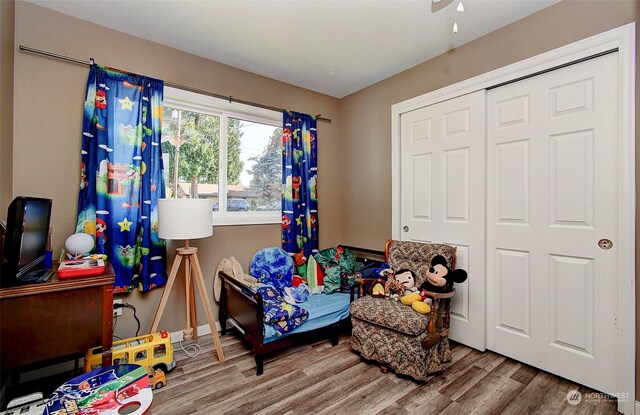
{"x": 355, "y": 148}
{"x": 48, "y": 108}
{"x": 7, "y": 11}
{"x": 366, "y": 114}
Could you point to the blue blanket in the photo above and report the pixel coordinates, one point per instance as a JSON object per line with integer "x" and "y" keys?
{"x": 323, "y": 310}
{"x": 281, "y": 316}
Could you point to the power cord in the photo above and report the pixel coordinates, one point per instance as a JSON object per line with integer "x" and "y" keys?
{"x": 191, "y": 350}
{"x": 127, "y": 305}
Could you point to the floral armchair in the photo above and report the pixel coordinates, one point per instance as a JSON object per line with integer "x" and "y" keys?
{"x": 394, "y": 334}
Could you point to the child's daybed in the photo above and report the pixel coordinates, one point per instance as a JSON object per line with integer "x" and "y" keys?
{"x": 242, "y": 306}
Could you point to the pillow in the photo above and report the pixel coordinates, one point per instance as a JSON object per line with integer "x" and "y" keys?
{"x": 315, "y": 275}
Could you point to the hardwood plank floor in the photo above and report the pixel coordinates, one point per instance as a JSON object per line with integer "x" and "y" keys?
{"x": 315, "y": 378}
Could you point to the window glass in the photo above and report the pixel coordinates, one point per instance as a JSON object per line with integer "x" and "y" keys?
{"x": 122, "y": 360}
{"x": 190, "y": 142}
{"x": 254, "y": 166}
{"x": 141, "y": 355}
{"x": 229, "y": 153}
{"x": 159, "y": 350}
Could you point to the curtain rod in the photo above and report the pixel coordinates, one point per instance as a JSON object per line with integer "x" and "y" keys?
{"x": 229, "y": 98}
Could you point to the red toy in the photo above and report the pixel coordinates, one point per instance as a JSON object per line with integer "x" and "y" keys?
{"x": 81, "y": 268}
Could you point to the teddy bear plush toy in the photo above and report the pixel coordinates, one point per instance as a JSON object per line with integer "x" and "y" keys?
{"x": 440, "y": 278}
{"x": 392, "y": 287}
{"x": 400, "y": 283}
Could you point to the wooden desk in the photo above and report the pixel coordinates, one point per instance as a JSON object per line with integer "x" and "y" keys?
{"x": 56, "y": 319}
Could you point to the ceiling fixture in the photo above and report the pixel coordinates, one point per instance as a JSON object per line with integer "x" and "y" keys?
{"x": 459, "y": 9}
{"x": 441, "y": 4}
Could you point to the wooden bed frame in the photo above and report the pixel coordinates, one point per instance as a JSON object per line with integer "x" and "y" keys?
{"x": 241, "y": 306}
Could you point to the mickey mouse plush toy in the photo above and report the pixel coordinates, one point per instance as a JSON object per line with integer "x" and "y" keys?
{"x": 440, "y": 278}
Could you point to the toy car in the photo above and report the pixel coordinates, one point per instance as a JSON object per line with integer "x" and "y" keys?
{"x": 157, "y": 379}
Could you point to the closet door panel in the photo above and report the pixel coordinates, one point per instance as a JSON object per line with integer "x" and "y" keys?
{"x": 553, "y": 171}
{"x": 443, "y": 197}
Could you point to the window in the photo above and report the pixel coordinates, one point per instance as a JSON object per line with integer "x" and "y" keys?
{"x": 159, "y": 350}
{"x": 229, "y": 153}
{"x": 122, "y": 360}
{"x": 141, "y": 355}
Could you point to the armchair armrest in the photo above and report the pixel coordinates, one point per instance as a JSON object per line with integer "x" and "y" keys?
{"x": 439, "y": 318}
{"x": 437, "y": 296}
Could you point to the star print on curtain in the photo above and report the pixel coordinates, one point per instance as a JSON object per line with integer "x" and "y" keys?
{"x": 121, "y": 175}
{"x": 299, "y": 181}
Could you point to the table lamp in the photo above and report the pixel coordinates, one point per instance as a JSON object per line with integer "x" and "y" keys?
{"x": 187, "y": 219}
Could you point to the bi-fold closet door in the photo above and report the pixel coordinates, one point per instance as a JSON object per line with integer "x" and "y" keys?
{"x": 523, "y": 179}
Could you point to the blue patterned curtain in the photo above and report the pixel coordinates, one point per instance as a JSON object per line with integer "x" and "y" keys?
{"x": 299, "y": 179}
{"x": 121, "y": 175}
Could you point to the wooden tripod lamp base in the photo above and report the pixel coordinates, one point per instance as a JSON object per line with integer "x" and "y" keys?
{"x": 187, "y": 219}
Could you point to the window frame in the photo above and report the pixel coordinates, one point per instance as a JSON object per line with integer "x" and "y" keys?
{"x": 205, "y": 104}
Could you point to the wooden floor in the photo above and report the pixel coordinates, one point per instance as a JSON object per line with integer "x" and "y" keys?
{"x": 316, "y": 378}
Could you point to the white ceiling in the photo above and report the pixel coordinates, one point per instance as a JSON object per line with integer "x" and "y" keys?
{"x": 335, "y": 47}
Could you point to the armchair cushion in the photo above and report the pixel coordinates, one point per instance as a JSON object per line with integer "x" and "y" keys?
{"x": 390, "y": 314}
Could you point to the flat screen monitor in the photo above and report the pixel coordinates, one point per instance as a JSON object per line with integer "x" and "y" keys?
{"x": 27, "y": 233}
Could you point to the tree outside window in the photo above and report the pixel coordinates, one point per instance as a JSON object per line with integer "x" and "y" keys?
{"x": 192, "y": 136}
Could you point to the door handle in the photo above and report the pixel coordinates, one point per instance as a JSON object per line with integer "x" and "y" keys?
{"x": 605, "y": 244}
{"x": 405, "y": 229}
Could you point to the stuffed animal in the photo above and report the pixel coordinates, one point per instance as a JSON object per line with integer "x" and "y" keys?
{"x": 377, "y": 288}
{"x": 440, "y": 278}
{"x": 392, "y": 288}
{"x": 232, "y": 268}
{"x": 417, "y": 301}
{"x": 407, "y": 278}
{"x": 273, "y": 266}
{"x": 300, "y": 262}
{"x": 382, "y": 272}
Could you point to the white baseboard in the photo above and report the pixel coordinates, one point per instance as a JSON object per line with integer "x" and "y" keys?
{"x": 176, "y": 336}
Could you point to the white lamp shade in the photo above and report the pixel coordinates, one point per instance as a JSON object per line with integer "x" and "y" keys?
{"x": 185, "y": 218}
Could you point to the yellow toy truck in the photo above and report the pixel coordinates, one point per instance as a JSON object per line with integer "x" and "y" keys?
{"x": 153, "y": 351}
{"x": 157, "y": 379}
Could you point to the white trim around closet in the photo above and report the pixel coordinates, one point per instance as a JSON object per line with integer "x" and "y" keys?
{"x": 622, "y": 39}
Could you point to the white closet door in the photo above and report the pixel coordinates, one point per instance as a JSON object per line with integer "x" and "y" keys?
{"x": 443, "y": 197}
{"x": 552, "y": 181}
